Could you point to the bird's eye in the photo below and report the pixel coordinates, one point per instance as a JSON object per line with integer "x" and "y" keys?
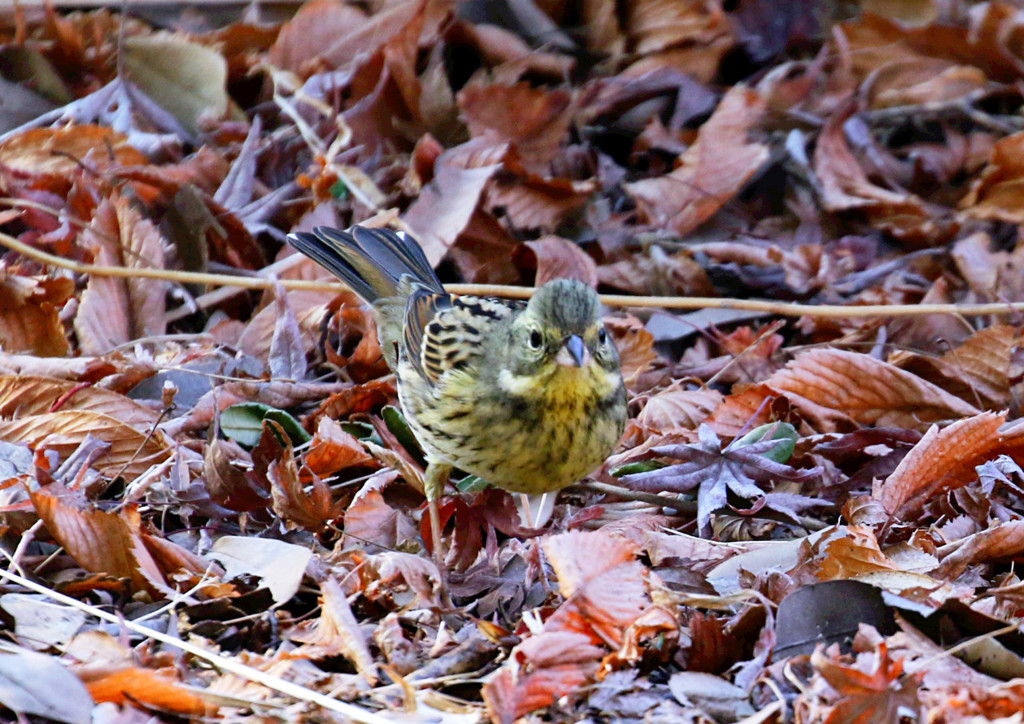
{"x": 535, "y": 339}
{"x": 602, "y": 336}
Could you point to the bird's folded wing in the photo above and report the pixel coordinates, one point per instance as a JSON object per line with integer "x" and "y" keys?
{"x": 444, "y": 333}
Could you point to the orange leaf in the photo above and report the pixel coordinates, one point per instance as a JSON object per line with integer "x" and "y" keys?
{"x": 941, "y": 460}
{"x": 30, "y": 314}
{"x": 100, "y": 542}
{"x": 602, "y": 582}
{"x": 999, "y": 194}
{"x": 333, "y": 449}
{"x": 831, "y": 384}
{"x": 147, "y": 687}
{"x": 61, "y": 150}
{"x": 635, "y": 345}
{"x": 535, "y": 120}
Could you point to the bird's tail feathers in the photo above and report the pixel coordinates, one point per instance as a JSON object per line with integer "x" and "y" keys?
{"x": 373, "y": 262}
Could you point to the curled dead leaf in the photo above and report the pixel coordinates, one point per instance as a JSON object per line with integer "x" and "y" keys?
{"x": 829, "y": 385}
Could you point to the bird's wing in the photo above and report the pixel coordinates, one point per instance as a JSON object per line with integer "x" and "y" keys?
{"x": 444, "y": 332}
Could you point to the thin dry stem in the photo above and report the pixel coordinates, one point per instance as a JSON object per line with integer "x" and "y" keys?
{"x": 783, "y": 309}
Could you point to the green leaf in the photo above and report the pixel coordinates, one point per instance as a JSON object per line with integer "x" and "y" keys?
{"x": 339, "y": 190}
{"x": 773, "y": 431}
{"x": 361, "y": 431}
{"x": 644, "y": 466}
{"x": 399, "y": 427}
{"x": 471, "y": 484}
{"x": 243, "y": 423}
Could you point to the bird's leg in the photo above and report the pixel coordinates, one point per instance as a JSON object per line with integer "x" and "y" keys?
{"x": 433, "y": 483}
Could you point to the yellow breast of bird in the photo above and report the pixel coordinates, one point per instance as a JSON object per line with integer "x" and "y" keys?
{"x": 527, "y": 434}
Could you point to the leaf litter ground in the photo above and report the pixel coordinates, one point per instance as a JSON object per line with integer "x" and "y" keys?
{"x": 809, "y": 519}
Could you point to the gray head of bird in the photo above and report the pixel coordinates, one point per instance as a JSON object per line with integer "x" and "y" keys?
{"x": 561, "y": 329}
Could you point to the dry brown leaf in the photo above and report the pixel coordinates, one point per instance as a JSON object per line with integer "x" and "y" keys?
{"x": 333, "y": 32}
{"x": 676, "y": 407}
{"x": 332, "y": 450}
{"x": 635, "y": 345}
{"x": 534, "y": 120}
{"x": 531, "y": 203}
{"x": 114, "y": 311}
{"x": 98, "y": 541}
{"x": 445, "y": 206}
{"x": 227, "y": 477}
{"x": 59, "y": 151}
{"x": 830, "y": 385}
{"x": 558, "y": 258}
{"x": 84, "y": 369}
{"x": 1002, "y": 540}
{"x": 309, "y": 308}
{"x": 394, "y": 570}
{"x": 335, "y": 633}
{"x": 30, "y": 314}
{"x": 655, "y": 272}
{"x": 509, "y": 697}
{"x": 308, "y": 507}
{"x": 24, "y": 395}
{"x": 998, "y": 194}
{"x": 744, "y": 410}
{"x": 355, "y": 399}
{"x": 657, "y": 25}
{"x": 978, "y": 368}
{"x": 369, "y": 519}
{"x": 942, "y": 460}
{"x": 131, "y": 452}
{"x": 865, "y": 696}
{"x": 928, "y": 80}
{"x": 602, "y": 582}
{"x": 854, "y": 554}
{"x": 712, "y": 171}
{"x": 845, "y": 186}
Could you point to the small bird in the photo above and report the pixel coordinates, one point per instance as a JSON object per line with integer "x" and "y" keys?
{"x": 525, "y": 395}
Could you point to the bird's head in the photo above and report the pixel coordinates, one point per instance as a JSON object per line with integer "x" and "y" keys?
{"x": 561, "y": 328}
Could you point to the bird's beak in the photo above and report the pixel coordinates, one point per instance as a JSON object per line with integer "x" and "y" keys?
{"x": 574, "y": 353}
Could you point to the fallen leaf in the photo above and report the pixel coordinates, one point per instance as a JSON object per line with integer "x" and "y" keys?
{"x": 830, "y": 385}
{"x": 280, "y": 565}
{"x": 147, "y": 687}
{"x": 114, "y": 311}
{"x": 558, "y": 258}
{"x": 30, "y": 314}
{"x": 943, "y": 460}
{"x": 334, "y": 633}
{"x": 25, "y": 395}
{"x": 59, "y": 151}
{"x": 874, "y": 695}
{"x": 28, "y": 681}
{"x": 997, "y": 193}
{"x": 131, "y": 452}
{"x": 186, "y": 79}
{"x": 1002, "y": 540}
{"x": 711, "y": 172}
{"x": 99, "y": 541}
{"x": 534, "y": 120}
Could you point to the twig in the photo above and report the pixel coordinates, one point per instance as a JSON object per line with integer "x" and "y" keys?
{"x": 783, "y": 309}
